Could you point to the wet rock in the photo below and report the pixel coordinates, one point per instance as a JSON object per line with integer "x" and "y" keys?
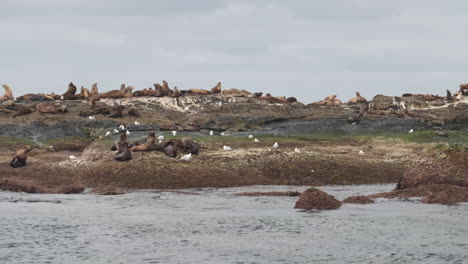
{"x": 315, "y": 199}
{"x": 434, "y": 193}
{"x": 358, "y": 199}
{"x": 290, "y": 193}
{"x": 447, "y": 167}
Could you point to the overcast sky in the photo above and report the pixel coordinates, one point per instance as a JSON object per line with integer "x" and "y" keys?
{"x": 307, "y": 49}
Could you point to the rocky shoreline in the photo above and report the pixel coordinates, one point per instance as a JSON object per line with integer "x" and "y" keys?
{"x": 361, "y": 142}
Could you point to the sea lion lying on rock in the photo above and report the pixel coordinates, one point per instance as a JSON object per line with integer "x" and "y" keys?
{"x": 123, "y": 153}
{"x": 55, "y": 108}
{"x": 170, "y": 150}
{"x": 187, "y": 145}
{"x": 20, "y": 157}
{"x": 133, "y": 112}
{"x": 329, "y": 100}
{"x": 150, "y": 144}
{"x": 37, "y": 97}
{"x": 118, "y": 112}
{"x": 8, "y": 95}
{"x": 23, "y": 111}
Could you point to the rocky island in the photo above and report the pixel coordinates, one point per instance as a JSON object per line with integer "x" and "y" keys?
{"x": 166, "y": 138}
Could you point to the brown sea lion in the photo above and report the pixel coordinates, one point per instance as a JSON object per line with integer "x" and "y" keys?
{"x": 177, "y": 92}
{"x": 35, "y": 97}
{"x": 216, "y": 89}
{"x": 357, "y": 99}
{"x": 329, "y": 100}
{"x": 150, "y": 144}
{"x": 199, "y": 92}
{"x": 166, "y": 90}
{"x": 84, "y": 93}
{"x": 114, "y": 94}
{"x": 8, "y": 95}
{"x": 133, "y": 112}
{"x": 123, "y": 153}
{"x": 55, "y": 108}
{"x": 232, "y": 92}
{"x": 20, "y": 157}
{"x": 123, "y": 138}
{"x": 272, "y": 100}
{"x": 118, "y": 112}
{"x": 23, "y": 111}
{"x": 170, "y": 150}
{"x": 187, "y": 145}
{"x": 70, "y": 93}
{"x": 94, "y": 89}
{"x": 291, "y": 100}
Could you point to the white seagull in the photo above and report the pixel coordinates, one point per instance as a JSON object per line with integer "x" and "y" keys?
{"x": 108, "y": 133}
{"x": 160, "y": 138}
{"x": 361, "y": 152}
{"x": 297, "y": 150}
{"x": 411, "y": 131}
{"x": 186, "y": 157}
{"x": 174, "y": 133}
{"x": 275, "y": 146}
{"x": 128, "y": 132}
{"x": 122, "y": 127}
{"x": 211, "y": 132}
{"x": 256, "y": 140}
{"x": 222, "y": 133}
{"x": 72, "y": 157}
{"x": 227, "y": 148}
{"x": 61, "y": 97}
{"x": 250, "y": 136}
{"x": 92, "y": 117}
{"x": 116, "y": 131}
{"x": 220, "y": 104}
{"x": 137, "y": 123}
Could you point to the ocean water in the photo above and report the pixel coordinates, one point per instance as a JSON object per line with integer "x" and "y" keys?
{"x": 215, "y": 226}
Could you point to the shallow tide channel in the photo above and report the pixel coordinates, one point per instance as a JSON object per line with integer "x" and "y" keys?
{"x": 215, "y": 226}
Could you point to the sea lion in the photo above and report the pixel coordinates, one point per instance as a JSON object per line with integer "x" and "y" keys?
{"x": 94, "y": 89}
{"x": 150, "y": 144}
{"x": 177, "y": 92}
{"x": 23, "y": 111}
{"x": 123, "y": 153}
{"x": 122, "y": 88}
{"x": 114, "y": 94}
{"x": 357, "y": 99}
{"x": 259, "y": 94}
{"x": 123, "y": 138}
{"x": 20, "y": 157}
{"x": 199, "y": 92}
{"x": 170, "y": 150}
{"x": 449, "y": 96}
{"x": 231, "y": 92}
{"x": 329, "y": 100}
{"x": 272, "y": 100}
{"x": 55, "y": 108}
{"x": 216, "y": 89}
{"x": 291, "y": 100}
{"x": 117, "y": 112}
{"x": 187, "y": 145}
{"x": 84, "y": 93}
{"x": 8, "y": 95}
{"x": 70, "y": 93}
{"x": 133, "y": 112}
{"x": 165, "y": 89}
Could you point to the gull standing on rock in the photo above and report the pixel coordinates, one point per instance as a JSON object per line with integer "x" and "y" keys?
{"x": 361, "y": 152}
{"x": 186, "y": 157}
{"x": 250, "y": 136}
{"x": 92, "y": 117}
{"x": 128, "y": 132}
{"x": 174, "y": 133}
{"x": 211, "y": 132}
{"x": 411, "y": 131}
{"x": 137, "y": 123}
{"x": 72, "y": 157}
{"x": 122, "y": 127}
{"x": 256, "y": 140}
{"x": 160, "y": 138}
{"x": 275, "y": 146}
{"x": 296, "y": 150}
{"x": 116, "y": 131}
{"x": 222, "y": 134}
{"x": 108, "y": 133}
{"x": 227, "y": 148}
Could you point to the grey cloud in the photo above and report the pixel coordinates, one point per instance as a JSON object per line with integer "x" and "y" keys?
{"x": 307, "y": 49}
